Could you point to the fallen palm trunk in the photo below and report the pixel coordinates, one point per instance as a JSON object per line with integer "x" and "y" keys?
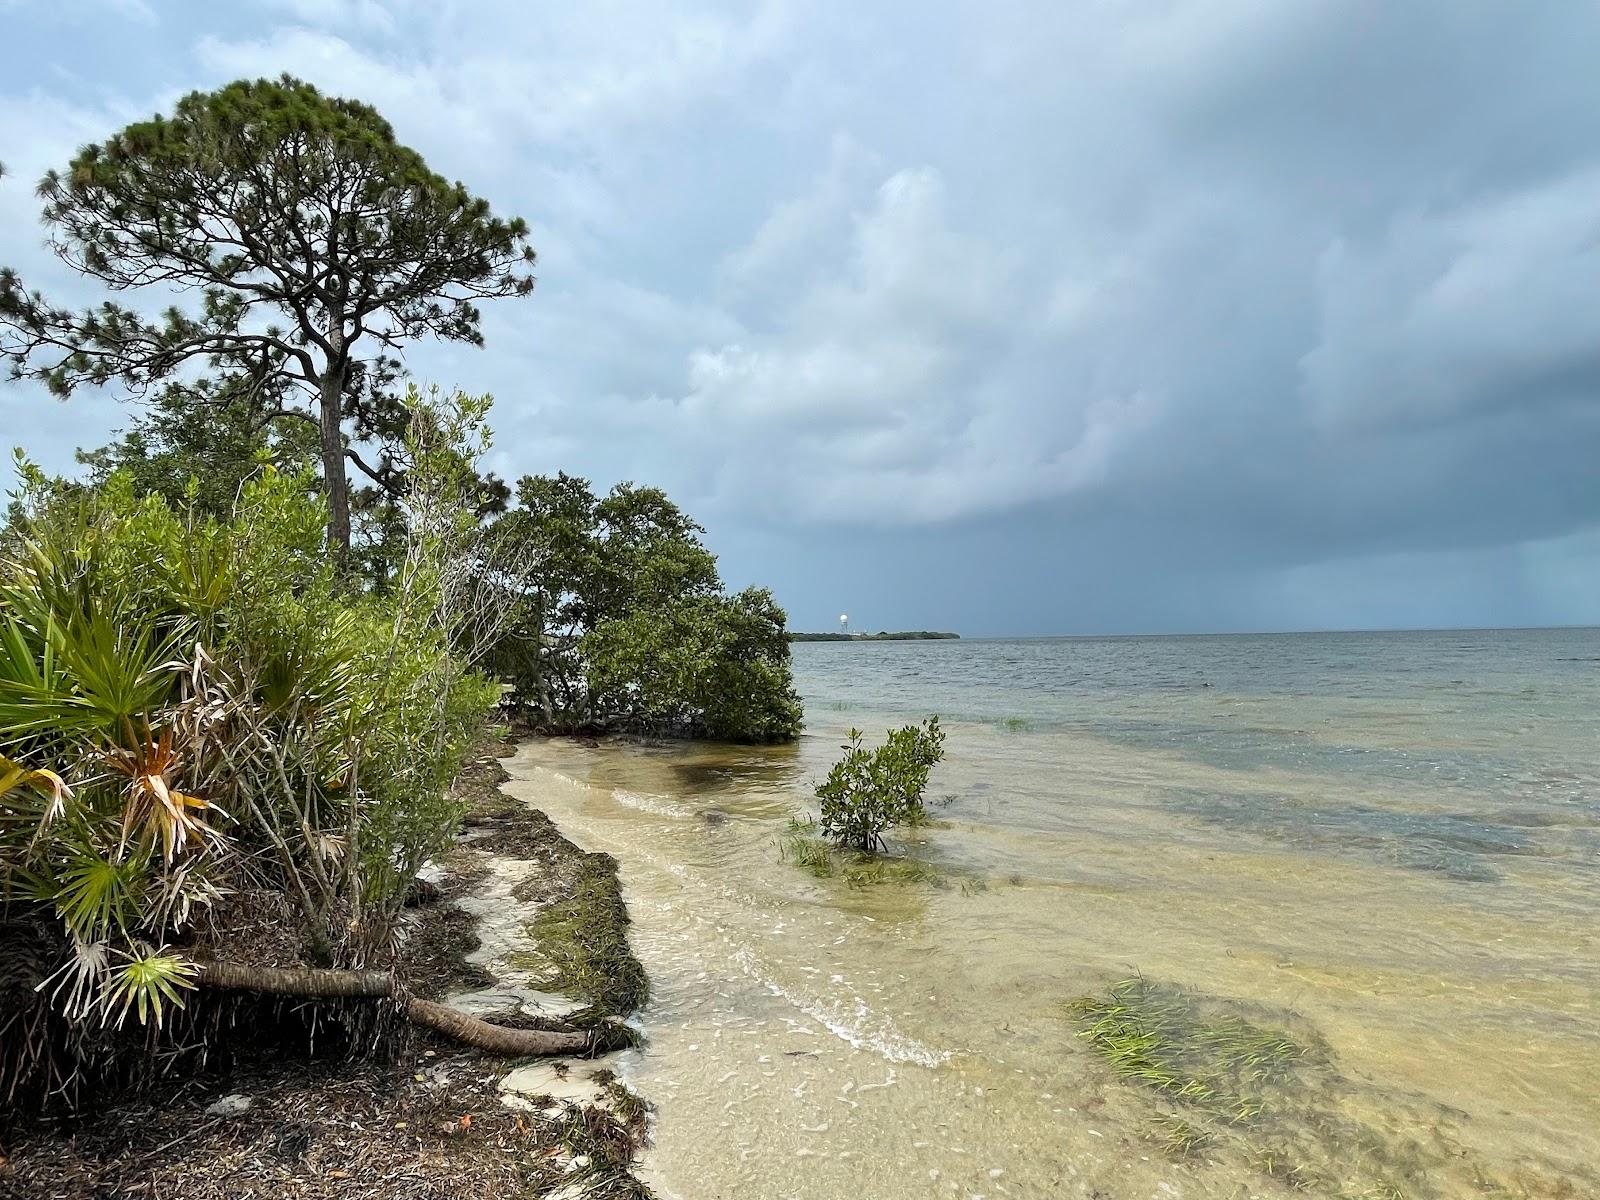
{"x": 322, "y": 983}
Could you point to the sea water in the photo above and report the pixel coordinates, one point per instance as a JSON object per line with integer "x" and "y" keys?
{"x": 1384, "y": 847}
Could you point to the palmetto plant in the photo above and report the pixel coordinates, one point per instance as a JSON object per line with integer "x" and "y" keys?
{"x": 198, "y": 718}
{"x": 14, "y": 776}
{"x": 192, "y": 706}
{"x": 83, "y": 679}
{"x": 153, "y": 807}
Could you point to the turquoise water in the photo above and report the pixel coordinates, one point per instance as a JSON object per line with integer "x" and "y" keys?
{"x": 1386, "y": 845}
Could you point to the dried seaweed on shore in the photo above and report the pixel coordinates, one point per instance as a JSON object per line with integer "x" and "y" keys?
{"x": 583, "y": 937}
{"x": 431, "y": 1128}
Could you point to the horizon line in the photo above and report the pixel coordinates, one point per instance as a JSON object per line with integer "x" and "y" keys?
{"x": 1045, "y": 637}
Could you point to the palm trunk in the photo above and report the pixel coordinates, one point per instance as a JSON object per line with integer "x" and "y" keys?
{"x": 317, "y": 983}
{"x": 494, "y": 1039}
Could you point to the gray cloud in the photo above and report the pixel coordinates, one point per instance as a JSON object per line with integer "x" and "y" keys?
{"x": 1044, "y": 318}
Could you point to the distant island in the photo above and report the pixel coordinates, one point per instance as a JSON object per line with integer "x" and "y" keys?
{"x": 915, "y": 635}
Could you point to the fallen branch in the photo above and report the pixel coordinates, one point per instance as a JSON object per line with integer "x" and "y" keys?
{"x": 321, "y": 983}
{"x": 312, "y": 982}
{"x": 495, "y": 1039}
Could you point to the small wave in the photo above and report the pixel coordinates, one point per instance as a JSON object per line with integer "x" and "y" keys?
{"x": 654, "y": 805}
{"x": 849, "y": 1026}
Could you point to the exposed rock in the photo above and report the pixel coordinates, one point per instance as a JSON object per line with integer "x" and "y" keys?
{"x": 231, "y": 1105}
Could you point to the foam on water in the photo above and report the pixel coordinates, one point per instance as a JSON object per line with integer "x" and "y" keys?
{"x": 850, "y": 1020}
{"x": 655, "y": 805}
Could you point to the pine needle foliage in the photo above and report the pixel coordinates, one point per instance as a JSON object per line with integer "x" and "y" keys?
{"x": 314, "y": 241}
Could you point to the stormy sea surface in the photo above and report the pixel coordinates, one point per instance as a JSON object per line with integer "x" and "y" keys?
{"x": 1208, "y": 916}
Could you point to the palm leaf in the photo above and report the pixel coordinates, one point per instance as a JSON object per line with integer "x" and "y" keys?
{"x": 48, "y": 790}
{"x": 36, "y": 695}
{"x": 147, "y": 983}
{"x": 96, "y": 896}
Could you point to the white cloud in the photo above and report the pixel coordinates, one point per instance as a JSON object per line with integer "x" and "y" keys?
{"x": 790, "y": 249}
{"x": 556, "y": 74}
{"x": 872, "y": 388}
{"x": 138, "y": 10}
{"x": 368, "y": 15}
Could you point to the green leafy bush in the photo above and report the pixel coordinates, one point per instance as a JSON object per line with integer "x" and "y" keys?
{"x": 870, "y": 791}
{"x": 715, "y": 665}
{"x": 193, "y": 705}
{"x": 621, "y": 621}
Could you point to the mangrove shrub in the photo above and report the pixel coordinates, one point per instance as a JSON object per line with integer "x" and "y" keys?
{"x": 870, "y": 791}
{"x": 622, "y": 622}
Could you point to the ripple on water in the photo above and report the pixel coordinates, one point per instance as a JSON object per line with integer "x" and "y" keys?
{"x": 850, "y": 1019}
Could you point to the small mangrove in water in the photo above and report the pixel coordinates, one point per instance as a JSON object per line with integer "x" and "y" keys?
{"x": 867, "y": 793}
{"x": 870, "y": 791}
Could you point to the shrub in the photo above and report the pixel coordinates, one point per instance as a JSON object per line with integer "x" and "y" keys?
{"x": 193, "y": 705}
{"x": 621, "y": 621}
{"x": 870, "y": 791}
{"x": 715, "y": 666}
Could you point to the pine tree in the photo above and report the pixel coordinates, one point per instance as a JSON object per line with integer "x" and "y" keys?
{"x": 315, "y": 242}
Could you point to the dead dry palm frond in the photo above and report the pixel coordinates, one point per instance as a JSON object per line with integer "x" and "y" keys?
{"x": 14, "y": 775}
{"x": 42, "y": 783}
{"x": 151, "y": 803}
{"x": 78, "y": 983}
{"x": 174, "y": 894}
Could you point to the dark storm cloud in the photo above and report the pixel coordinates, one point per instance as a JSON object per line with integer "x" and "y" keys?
{"x": 1018, "y": 318}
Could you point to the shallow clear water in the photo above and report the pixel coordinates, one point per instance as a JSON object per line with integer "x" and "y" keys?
{"x": 1387, "y": 845}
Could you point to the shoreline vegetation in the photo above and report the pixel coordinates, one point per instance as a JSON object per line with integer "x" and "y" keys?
{"x": 410, "y": 1115}
{"x": 269, "y": 924}
{"x": 916, "y": 635}
{"x": 246, "y": 655}
{"x": 867, "y": 793}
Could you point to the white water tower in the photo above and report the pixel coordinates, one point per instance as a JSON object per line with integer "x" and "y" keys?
{"x": 844, "y": 622}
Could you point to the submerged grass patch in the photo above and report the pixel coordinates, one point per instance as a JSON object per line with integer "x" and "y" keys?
{"x": 1179, "y": 1137}
{"x": 1262, "y": 1096}
{"x": 801, "y": 845}
{"x": 1162, "y": 1038}
{"x": 870, "y": 869}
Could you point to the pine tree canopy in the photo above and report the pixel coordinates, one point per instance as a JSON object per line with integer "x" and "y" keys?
{"x": 315, "y": 242}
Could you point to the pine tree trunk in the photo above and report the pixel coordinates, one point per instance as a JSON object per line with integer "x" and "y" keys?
{"x": 336, "y": 482}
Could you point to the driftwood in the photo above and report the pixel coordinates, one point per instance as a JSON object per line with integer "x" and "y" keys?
{"x": 333, "y": 984}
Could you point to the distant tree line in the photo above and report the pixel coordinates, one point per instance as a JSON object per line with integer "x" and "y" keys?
{"x": 915, "y": 635}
